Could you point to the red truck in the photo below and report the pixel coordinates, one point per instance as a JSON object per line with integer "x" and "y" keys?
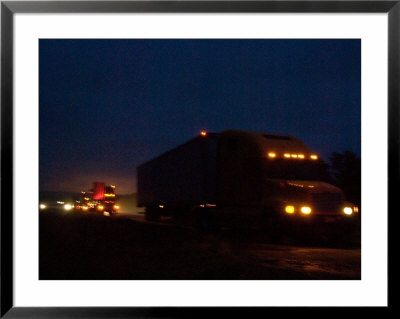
{"x": 101, "y": 199}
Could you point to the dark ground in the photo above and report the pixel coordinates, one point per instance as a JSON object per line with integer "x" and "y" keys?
{"x": 74, "y": 246}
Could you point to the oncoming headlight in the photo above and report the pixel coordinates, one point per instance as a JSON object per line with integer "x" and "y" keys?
{"x": 68, "y": 206}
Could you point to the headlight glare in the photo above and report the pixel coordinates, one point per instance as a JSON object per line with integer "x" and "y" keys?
{"x": 305, "y": 210}
{"x": 289, "y": 209}
{"x": 348, "y": 210}
{"x": 68, "y": 206}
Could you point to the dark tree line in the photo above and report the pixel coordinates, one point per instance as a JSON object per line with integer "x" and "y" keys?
{"x": 344, "y": 171}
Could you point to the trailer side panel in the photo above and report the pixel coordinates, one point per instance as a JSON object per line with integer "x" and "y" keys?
{"x": 184, "y": 175}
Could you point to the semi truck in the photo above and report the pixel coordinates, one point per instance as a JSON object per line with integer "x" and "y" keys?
{"x": 240, "y": 178}
{"x": 101, "y": 198}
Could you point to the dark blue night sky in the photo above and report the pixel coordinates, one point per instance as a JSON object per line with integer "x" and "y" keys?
{"x": 107, "y": 106}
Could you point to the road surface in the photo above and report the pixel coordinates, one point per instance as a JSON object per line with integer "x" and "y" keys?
{"x": 77, "y": 246}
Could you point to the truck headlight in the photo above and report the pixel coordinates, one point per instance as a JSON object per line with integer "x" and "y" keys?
{"x": 306, "y": 210}
{"x": 348, "y": 210}
{"x": 42, "y": 206}
{"x": 289, "y": 209}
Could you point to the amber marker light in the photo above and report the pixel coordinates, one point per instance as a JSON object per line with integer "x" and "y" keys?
{"x": 301, "y": 156}
{"x": 100, "y": 207}
{"x": 314, "y": 157}
{"x": 306, "y": 210}
{"x": 203, "y": 133}
{"x": 272, "y": 155}
{"x": 355, "y": 209}
{"x": 116, "y": 206}
{"x": 289, "y": 209}
{"x": 294, "y": 155}
{"x": 286, "y": 155}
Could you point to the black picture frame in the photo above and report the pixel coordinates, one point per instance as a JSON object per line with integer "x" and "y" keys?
{"x": 9, "y": 8}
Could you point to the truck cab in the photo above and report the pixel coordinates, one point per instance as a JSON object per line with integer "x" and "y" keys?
{"x": 279, "y": 176}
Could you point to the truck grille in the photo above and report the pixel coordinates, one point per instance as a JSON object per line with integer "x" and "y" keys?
{"x": 327, "y": 202}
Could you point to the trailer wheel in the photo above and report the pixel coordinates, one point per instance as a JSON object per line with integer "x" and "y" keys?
{"x": 202, "y": 219}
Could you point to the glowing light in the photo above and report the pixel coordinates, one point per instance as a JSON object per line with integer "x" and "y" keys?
{"x": 211, "y": 205}
{"x": 112, "y": 186}
{"x": 68, "y": 206}
{"x": 116, "y": 206}
{"x": 301, "y": 156}
{"x": 106, "y": 213}
{"x": 203, "y": 133}
{"x": 306, "y": 210}
{"x": 347, "y": 210}
{"x": 286, "y": 155}
{"x": 314, "y": 157}
{"x": 58, "y": 202}
{"x": 355, "y": 209}
{"x": 85, "y": 207}
{"x": 294, "y": 184}
{"x": 100, "y": 207}
{"x": 109, "y": 195}
{"x": 86, "y": 198}
{"x": 42, "y": 206}
{"x": 161, "y": 206}
{"x": 294, "y": 155}
{"x": 272, "y": 154}
{"x": 289, "y": 209}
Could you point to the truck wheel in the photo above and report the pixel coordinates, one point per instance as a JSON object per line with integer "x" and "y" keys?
{"x": 271, "y": 223}
{"x": 152, "y": 215}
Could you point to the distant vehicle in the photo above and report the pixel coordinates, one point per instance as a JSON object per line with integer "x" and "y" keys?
{"x": 240, "y": 178}
{"x": 101, "y": 199}
{"x": 52, "y": 205}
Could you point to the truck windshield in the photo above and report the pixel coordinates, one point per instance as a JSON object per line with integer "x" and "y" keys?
{"x": 292, "y": 169}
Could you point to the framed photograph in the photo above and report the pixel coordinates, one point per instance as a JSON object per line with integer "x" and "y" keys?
{"x": 189, "y": 158}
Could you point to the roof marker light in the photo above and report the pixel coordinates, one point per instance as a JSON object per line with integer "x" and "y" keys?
{"x": 314, "y": 157}
{"x": 286, "y": 155}
{"x": 272, "y": 154}
{"x": 203, "y": 133}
